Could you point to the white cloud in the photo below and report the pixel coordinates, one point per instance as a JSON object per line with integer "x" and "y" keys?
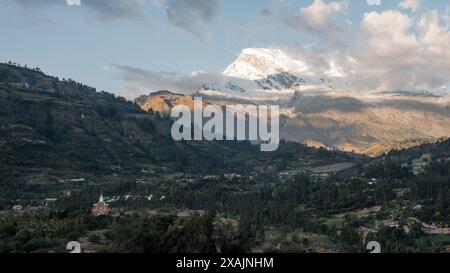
{"x": 320, "y": 19}
{"x": 446, "y": 16}
{"x": 73, "y": 2}
{"x": 99, "y": 9}
{"x": 191, "y": 15}
{"x": 150, "y": 81}
{"x": 388, "y": 34}
{"x": 116, "y": 9}
{"x": 435, "y": 37}
{"x": 374, "y": 2}
{"x": 395, "y": 52}
{"x": 387, "y": 50}
{"x": 413, "y": 5}
{"x": 319, "y": 13}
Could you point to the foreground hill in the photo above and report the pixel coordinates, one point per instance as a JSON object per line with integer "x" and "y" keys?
{"x": 48, "y": 123}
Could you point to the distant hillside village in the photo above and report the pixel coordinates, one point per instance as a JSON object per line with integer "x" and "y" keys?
{"x": 419, "y": 165}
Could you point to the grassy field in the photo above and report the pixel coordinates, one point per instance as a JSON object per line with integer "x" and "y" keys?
{"x": 337, "y": 222}
{"x": 436, "y": 239}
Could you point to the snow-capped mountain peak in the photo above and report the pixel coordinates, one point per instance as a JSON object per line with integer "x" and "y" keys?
{"x": 260, "y": 63}
{"x": 266, "y": 73}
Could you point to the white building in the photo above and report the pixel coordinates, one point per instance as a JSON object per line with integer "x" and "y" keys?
{"x": 419, "y": 165}
{"x": 17, "y": 207}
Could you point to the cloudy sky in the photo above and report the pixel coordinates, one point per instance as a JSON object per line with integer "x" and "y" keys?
{"x": 131, "y": 47}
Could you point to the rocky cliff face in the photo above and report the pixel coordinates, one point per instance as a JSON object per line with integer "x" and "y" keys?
{"x": 163, "y": 101}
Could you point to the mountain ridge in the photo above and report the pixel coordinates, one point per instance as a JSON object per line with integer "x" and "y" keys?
{"x": 341, "y": 121}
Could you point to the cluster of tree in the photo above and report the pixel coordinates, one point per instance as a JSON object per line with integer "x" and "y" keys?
{"x": 45, "y": 231}
{"x": 126, "y": 233}
{"x": 431, "y": 190}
